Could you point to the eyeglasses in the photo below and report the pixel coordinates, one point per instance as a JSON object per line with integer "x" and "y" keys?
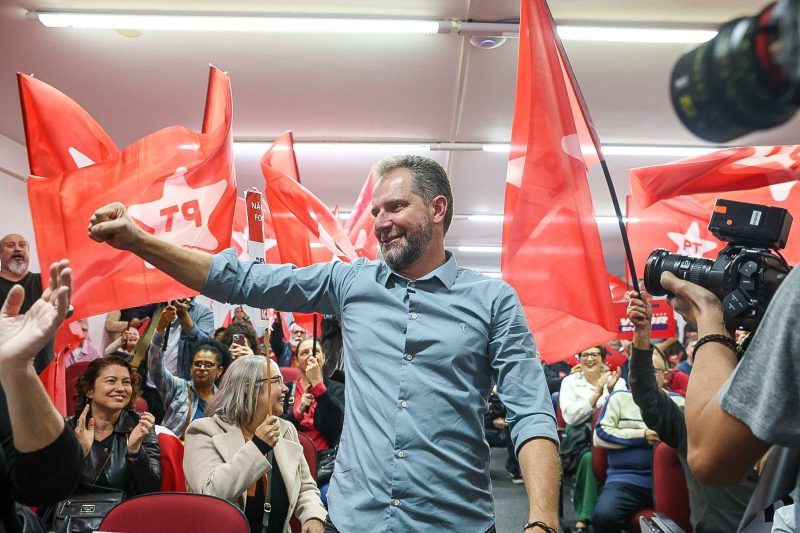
{"x": 208, "y": 365}
{"x": 275, "y": 380}
{"x": 591, "y": 355}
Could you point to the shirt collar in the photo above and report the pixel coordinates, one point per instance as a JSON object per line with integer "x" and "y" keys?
{"x": 446, "y": 273}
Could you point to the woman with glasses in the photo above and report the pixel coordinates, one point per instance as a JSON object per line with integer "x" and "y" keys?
{"x": 243, "y": 452}
{"x": 184, "y": 399}
{"x": 583, "y": 392}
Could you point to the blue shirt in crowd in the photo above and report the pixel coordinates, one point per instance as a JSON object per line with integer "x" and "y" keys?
{"x": 420, "y": 360}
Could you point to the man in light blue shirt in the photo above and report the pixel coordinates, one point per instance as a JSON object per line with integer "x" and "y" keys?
{"x": 424, "y": 340}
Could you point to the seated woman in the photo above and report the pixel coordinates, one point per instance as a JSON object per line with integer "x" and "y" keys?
{"x": 123, "y": 346}
{"x": 316, "y": 405}
{"x": 582, "y": 392}
{"x": 244, "y": 455}
{"x": 120, "y": 446}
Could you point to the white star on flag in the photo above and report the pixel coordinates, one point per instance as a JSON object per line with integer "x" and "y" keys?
{"x": 780, "y": 191}
{"x": 690, "y": 243}
{"x": 180, "y": 216}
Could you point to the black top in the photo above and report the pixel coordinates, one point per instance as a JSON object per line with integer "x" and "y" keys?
{"x": 254, "y": 509}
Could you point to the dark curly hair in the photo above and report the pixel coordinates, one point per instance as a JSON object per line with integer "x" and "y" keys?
{"x": 252, "y": 340}
{"x": 86, "y": 381}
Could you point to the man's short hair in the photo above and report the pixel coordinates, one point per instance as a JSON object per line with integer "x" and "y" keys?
{"x": 428, "y": 179}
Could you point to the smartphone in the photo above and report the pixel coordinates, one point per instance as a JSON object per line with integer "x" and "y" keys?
{"x": 240, "y": 339}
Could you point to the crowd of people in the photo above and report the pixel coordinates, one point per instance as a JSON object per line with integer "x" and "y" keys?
{"x": 440, "y": 365}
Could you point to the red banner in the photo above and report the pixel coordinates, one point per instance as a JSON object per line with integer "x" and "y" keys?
{"x": 662, "y": 324}
{"x": 731, "y": 169}
{"x": 176, "y": 183}
{"x": 53, "y": 378}
{"x": 551, "y": 247}
{"x": 360, "y": 226}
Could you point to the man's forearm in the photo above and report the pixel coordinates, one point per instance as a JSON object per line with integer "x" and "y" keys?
{"x": 35, "y": 423}
{"x": 707, "y": 423}
{"x": 188, "y": 266}
{"x": 541, "y": 471}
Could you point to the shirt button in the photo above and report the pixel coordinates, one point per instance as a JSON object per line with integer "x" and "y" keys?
{"x": 396, "y": 503}
{"x": 401, "y": 454}
{"x": 404, "y": 404}
{"x": 409, "y": 357}
{"x": 413, "y": 316}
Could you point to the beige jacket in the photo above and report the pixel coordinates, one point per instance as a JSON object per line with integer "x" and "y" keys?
{"x": 218, "y": 461}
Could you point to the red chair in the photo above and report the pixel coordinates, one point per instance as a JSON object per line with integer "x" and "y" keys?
{"x": 176, "y": 512}
{"x": 71, "y": 375}
{"x": 310, "y": 453}
{"x": 600, "y": 469}
{"x": 290, "y": 374}
{"x": 670, "y": 494}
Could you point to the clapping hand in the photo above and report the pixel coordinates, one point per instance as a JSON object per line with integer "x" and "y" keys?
{"x": 84, "y": 431}
{"x": 612, "y": 379}
{"x": 23, "y": 336}
{"x": 138, "y": 433}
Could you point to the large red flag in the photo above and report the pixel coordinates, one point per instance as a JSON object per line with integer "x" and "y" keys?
{"x": 360, "y": 226}
{"x": 60, "y": 134}
{"x": 730, "y": 169}
{"x": 53, "y": 378}
{"x": 551, "y": 247}
{"x": 284, "y": 193}
{"x": 176, "y": 183}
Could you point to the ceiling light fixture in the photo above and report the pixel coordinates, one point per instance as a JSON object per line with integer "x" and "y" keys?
{"x": 631, "y": 150}
{"x": 261, "y": 23}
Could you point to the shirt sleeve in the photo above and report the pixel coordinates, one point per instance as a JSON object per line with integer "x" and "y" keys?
{"x": 574, "y": 407}
{"x": 316, "y": 288}
{"x": 764, "y": 389}
{"x": 518, "y": 372}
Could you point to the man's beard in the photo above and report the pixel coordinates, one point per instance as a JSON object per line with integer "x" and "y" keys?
{"x": 415, "y": 244}
{"x": 17, "y": 266}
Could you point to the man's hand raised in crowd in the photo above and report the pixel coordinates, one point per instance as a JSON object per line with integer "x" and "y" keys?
{"x": 640, "y": 313}
{"x": 167, "y": 317}
{"x": 113, "y": 225}
{"x": 23, "y": 336}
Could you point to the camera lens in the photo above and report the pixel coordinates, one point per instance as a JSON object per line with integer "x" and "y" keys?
{"x": 693, "y": 269}
{"x": 731, "y": 85}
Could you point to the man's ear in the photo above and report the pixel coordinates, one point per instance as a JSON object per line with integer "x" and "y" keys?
{"x": 439, "y": 206}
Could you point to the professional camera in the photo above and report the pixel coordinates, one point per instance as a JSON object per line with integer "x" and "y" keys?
{"x": 746, "y": 273}
{"x": 746, "y": 78}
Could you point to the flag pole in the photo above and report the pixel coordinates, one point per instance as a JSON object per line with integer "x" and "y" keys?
{"x": 622, "y": 230}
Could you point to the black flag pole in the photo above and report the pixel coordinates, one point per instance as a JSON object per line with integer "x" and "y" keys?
{"x": 622, "y": 230}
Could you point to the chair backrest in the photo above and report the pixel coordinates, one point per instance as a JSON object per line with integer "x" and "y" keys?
{"x": 172, "y": 476}
{"x": 670, "y": 493}
{"x": 71, "y": 375}
{"x": 309, "y": 452}
{"x": 599, "y": 455}
{"x": 560, "y": 422}
{"x": 175, "y": 511}
{"x": 290, "y": 374}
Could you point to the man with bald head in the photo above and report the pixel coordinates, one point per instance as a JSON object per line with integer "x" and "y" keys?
{"x": 14, "y": 261}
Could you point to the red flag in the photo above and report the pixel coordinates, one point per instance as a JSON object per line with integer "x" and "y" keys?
{"x": 176, "y": 183}
{"x": 730, "y": 169}
{"x": 239, "y": 231}
{"x": 67, "y": 338}
{"x": 61, "y": 135}
{"x": 360, "y": 226}
{"x": 284, "y": 192}
{"x": 551, "y": 247}
{"x": 52, "y": 377}
{"x": 618, "y": 287}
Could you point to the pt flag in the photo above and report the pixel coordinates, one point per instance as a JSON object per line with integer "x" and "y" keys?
{"x": 360, "y": 226}
{"x": 730, "y": 169}
{"x": 53, "y": 378}
{"x": 551, "y": 247}
{"x": 176, "y": 183}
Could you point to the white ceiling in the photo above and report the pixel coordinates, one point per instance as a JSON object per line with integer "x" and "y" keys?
{"x": 428, "y": 88}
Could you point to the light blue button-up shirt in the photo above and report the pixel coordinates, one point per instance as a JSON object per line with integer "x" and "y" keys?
{"x": 420, "y": 358}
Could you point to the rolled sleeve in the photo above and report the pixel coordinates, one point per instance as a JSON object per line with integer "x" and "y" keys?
{"x": 519, "y": 375}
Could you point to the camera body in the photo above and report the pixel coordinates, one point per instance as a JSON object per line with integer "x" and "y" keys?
{"x": 746, "y": 273}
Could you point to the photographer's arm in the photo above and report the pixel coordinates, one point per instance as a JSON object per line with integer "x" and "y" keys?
{"x": 707, "y": 423}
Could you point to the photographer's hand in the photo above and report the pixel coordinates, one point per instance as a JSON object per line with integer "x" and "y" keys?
{"x": 694, "y": 303}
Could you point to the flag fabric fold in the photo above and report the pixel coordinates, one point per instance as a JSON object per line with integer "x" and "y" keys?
{"x": 360, "y": 226}
{"x": 176, "y": 183}
{"x": 730, "y": 169}
{"x": 53, "y": 378}
{"x": 286, "y": 195}
{"x": 551, "y": 246}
